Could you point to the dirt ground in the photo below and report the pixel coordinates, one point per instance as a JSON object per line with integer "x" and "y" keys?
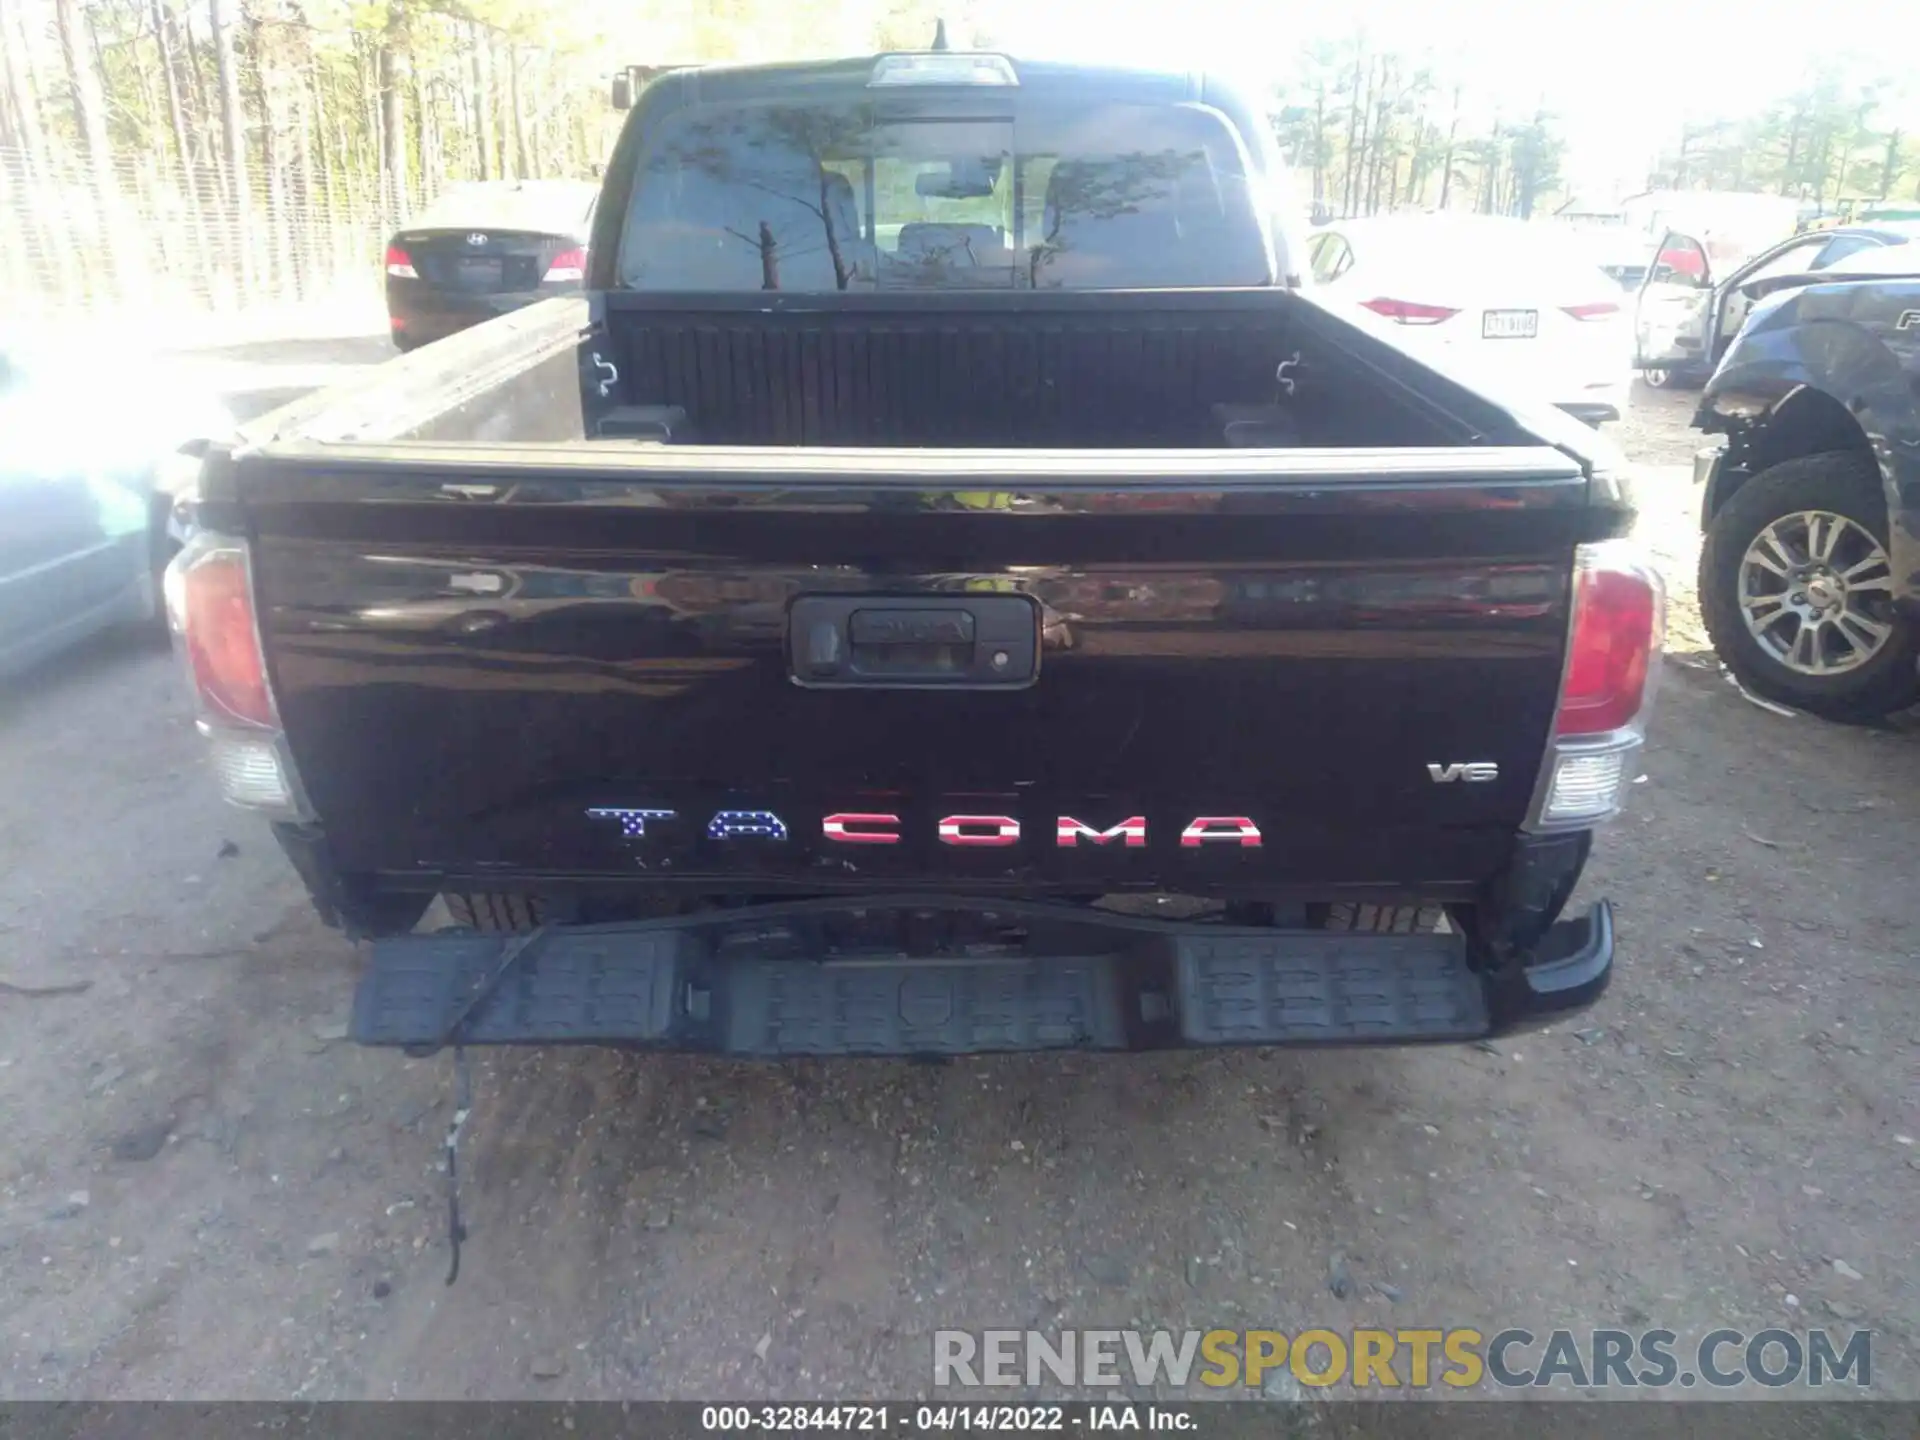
{"x": 204, "y": 1192}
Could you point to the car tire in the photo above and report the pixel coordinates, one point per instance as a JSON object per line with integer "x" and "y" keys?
{"x": 1737, "y": 552}
{"x": 1659, "y": 379}
{"x": 494, "y": 912}
{"x": 161, "y": 548}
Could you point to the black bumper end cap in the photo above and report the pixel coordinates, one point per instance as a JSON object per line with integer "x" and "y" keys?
{"x": 1572, "y": 969}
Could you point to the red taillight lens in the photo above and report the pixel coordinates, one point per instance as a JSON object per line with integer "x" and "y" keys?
{"x": 222, "y": 642}
{"x": 1618, "y": 615}
{"x": 569, "y": 266}
{"x": 1409, "y": 312}
{"x": 1599, "y": 310}
{"x": 400, "y": 263}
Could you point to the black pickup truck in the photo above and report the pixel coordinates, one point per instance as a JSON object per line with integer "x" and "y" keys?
{"x": 943, "y": 587}
{"x": 1810, "y": 570}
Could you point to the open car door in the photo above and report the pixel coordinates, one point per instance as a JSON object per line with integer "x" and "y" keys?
{"x": 1675, "y": 305}
{"x": 1798, "y": 256}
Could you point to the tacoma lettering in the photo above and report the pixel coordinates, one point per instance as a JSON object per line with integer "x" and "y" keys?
{"x": 1071, "y": 832}
{"x": 979, "y": 830}
{"x": 1221, "y": 827}
{"x": 861, "y": 827}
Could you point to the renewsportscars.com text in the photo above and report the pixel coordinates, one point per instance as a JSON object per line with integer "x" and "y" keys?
{"x": 1418, "y": 1359}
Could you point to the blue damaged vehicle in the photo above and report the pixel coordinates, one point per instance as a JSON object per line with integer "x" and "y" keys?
{"x": 1810, "y": 573}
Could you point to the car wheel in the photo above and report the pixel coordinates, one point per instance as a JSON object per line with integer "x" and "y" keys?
{"x": 1658, "y": 379}
{"x": 1796, "y": 588}
{"x": 161, "y": 548}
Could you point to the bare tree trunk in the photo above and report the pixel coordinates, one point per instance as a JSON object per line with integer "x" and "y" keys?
{"x": 426, "y": 144}
{"x": 395, "y": 69}
{"x": 1320, "y": 141}
{"x": 1353, "y": 130}
{"x": 17, "y": 68}
{"x": 482, "y": 101}
{"x": 1369, "y": 139}
{"x": 536, "y": 129}
{"x": 177, "y": 118}
{"x": 1385, "y": 154}
{"x": 83, "y": 82}
{"x": 1788, "y": 176}
{"x": 1446, "y": 165}
{"x": 367, "y": 70}
{"x": 517, "y": 114}
{"x": 234, "y": 142}
{"x": 769, "y": 259}
{"x": 90, "y": 114}
{"x": 176, "y": 115}
{"x": 199, "y": 113}
{"x": 1490, "y": 174}
{"x": 16, "y": 64}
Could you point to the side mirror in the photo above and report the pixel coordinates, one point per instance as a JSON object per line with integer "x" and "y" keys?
{"x": 622, "y": 91}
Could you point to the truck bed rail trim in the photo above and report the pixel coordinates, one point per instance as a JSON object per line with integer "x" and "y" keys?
{"x": 724, "y": 467}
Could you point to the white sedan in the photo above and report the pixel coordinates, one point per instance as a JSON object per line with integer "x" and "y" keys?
{"x": 1518, "y": 307}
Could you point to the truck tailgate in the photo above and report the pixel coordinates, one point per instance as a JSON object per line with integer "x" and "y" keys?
{"x": 1241, "y": 671}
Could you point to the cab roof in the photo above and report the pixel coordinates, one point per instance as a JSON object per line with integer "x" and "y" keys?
{"x": 814, "y": 80}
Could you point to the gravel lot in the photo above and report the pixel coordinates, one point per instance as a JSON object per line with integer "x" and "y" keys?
{"x": 204, "y": 1192}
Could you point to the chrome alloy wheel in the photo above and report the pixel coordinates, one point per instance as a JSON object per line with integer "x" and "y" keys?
{"x": 1816, "y": 591}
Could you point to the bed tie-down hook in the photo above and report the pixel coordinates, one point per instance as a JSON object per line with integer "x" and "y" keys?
{"x": 1285, "y": 373}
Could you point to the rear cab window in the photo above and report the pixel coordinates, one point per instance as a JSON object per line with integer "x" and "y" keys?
{"x": 849, "y": 197}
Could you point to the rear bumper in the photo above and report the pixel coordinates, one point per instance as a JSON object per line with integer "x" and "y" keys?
{"x": 423, "y": 313}
{"x": 763, "y": 982}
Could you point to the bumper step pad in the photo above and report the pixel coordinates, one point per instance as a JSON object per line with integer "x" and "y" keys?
{"x": 734, "y": 985}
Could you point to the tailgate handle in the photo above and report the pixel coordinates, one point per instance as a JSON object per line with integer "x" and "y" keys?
{"x": 939, "y": 641}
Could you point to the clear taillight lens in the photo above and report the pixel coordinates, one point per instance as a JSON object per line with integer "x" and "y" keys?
{"x": 253, "y": 771}
{"x": 400, "y": 264}
{"x": 1585, "y": 787}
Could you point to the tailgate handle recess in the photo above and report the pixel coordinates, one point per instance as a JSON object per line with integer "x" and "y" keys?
{"x": 966, "y": 642}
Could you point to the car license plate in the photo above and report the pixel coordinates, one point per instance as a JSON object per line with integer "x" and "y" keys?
{"x": 1509, "y": 324}
{"x": 475, "y": 273}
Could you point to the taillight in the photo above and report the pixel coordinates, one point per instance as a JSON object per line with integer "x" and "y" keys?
{"x": 1599, "y": 310}
{"x": 400, "y": 264}
{"x": 1616, "y": 633}
{"x": 1614, "y": 640}
{"x": 1409, "y": 312}
{"x": 222, "y": 644}
{"x": 569, "y": 266}
{"x": 209, "y": 587}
